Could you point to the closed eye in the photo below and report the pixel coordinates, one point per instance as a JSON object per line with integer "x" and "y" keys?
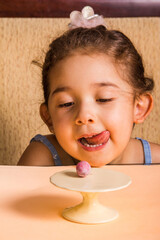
{"x": 103, "y": 100}
{"x": 65, "y": 105}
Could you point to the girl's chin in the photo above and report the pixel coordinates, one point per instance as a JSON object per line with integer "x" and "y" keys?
{"x": 96, "y": 163}
{"x": 98, "y": 166}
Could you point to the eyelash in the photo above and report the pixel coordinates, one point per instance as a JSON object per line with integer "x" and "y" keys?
{"x": 104, "y": 100}
{"x": 65, "y": 105}
{"x": 69, "y": 104}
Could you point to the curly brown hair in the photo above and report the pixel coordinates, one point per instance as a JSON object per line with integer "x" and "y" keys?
{"x": 98, "y": 40}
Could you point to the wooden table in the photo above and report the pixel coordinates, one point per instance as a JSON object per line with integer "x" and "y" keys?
{"x": 31, "y": 207}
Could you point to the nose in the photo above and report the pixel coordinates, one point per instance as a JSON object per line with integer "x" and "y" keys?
{"x": 85, "y": 116}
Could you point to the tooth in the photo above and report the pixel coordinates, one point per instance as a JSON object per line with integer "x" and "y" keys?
{"x": 96, "y": 145}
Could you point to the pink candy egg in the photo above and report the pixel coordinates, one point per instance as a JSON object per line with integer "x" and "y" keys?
{"x": 83, "y": 168}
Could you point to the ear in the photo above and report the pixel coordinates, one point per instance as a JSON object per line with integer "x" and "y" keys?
{"x": 143, "y": 107}
{"x": 46, "y": 116}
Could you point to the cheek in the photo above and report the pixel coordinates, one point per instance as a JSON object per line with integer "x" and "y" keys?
{"x": 61, "y": 126}
{"x": 119, "y": 119}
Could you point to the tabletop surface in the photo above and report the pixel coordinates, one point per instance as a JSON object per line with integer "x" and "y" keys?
{"x": 31, "y": 207}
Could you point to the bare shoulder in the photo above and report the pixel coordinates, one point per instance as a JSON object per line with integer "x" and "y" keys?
{"x": 155, "y": 150}
{"x": 137, "y": 157}
{"x": 36, "y": 154}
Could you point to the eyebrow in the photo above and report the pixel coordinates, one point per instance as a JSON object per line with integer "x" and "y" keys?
{"x": 101, "y": 84}
{"x": 105, "y": 84}
{"x": 60, "y": 89}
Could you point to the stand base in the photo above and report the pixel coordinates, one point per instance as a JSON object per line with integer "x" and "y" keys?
{"x": 90, "y": 211}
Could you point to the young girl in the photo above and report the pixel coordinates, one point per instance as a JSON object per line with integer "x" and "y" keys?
{"x": 95, "y": 92}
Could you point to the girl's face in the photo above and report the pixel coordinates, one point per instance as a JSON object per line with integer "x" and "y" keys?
{"x": 91, "y": 108}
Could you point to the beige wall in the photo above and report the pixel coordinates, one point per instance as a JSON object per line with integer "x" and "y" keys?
{"x": 21, "y": 41}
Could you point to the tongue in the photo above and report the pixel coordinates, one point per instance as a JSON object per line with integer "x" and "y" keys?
{"x": 99, "y": 138}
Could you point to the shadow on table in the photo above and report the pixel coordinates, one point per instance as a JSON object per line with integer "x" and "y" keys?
{"x": 42, "y": 206}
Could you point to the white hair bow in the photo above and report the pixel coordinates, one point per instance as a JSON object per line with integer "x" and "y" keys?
{"x": 86, "y": 18}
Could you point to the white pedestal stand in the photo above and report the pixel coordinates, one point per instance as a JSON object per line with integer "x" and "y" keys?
{"x": 90, "y": 210}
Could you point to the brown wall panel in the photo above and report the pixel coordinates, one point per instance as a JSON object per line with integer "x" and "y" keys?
{"x": 62, "y": 8}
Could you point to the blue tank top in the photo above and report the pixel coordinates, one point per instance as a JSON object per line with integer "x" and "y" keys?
{"x": 57, "y": 160}
{"x": 147, "y": 151}
{"x": 46, "y": 142}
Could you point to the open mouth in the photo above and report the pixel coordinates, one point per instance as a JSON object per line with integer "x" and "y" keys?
{"x": 95, "y": 142}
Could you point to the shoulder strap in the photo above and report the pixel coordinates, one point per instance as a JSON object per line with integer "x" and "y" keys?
{"x": 147, "y": 151}
{"x": 47, "y": 143}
